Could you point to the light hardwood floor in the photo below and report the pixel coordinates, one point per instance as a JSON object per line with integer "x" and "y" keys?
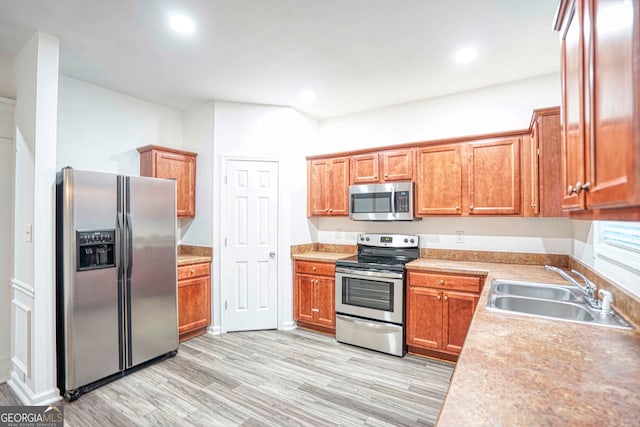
{"x": 270, "y": 378}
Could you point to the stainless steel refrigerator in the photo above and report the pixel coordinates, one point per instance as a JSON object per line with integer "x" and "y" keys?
{"x": 116, "y": 277}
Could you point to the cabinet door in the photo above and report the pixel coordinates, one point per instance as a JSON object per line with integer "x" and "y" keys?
{"x": 494, "y": 177}
{"x": 424, "y": 317}
{"x": 304, "y": 298}
{"x": 182, "y": 168}
{"x": 397, "y": 165}
{"x": 324, "y": 302}
{"x": 572, "y": 77}
{"x": 550, "y": 164}
{"x": 612, "y": 167}
{"x": 194, "y": 304}
{"x": 364, "y": 169}
{"x": 338, "y": 187}
{"x": 316, "y": 188}
{"x": 439, "y": 183}
{"x": 458, "y": 309}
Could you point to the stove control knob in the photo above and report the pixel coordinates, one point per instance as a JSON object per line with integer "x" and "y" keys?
{"x": 362, "y": 238}
{"x": 367, "y": 239}
{"x": 412, "y": 240}
{"x": 406, "y": 240}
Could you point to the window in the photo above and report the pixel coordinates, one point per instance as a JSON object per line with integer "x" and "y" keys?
{"x": 619, "y": 242}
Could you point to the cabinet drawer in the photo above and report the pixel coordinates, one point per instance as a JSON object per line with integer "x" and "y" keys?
{"x": 445, "y": 281}
{"x": 193, "y": 270}
{"x": 322, "y": 269}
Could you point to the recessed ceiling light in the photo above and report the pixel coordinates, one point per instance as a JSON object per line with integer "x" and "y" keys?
{"x": 182, "y": 24}
{"x": 307, "y": 96}
{"x": 466, "y": 55}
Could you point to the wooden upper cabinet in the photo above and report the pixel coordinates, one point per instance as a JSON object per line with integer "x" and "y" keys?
{"x": 601, "y": 103}
{"x": 439, "y": 180}
{"x": 494, "y": 177}
{"x": 328, "y": 187}
{"x": 364, "y": 168}
{"x": 397, "y": 165}
{"x": 162, "y": 162}
{"x": 383, "y": 166}
{"x": 548, "y": 141}
{"x": 572, "y": 76}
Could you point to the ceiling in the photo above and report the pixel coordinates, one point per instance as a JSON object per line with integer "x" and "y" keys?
{"x": 355, "y": 55}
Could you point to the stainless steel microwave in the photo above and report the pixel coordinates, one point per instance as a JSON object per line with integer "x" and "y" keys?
{"x": 392, "y": 201}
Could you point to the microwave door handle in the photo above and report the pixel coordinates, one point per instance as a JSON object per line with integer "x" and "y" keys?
{"x": 393, "y": 201}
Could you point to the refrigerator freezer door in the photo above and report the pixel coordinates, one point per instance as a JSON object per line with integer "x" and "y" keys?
{"x": 92, "y": 323}
{"x": 152, "y": 274}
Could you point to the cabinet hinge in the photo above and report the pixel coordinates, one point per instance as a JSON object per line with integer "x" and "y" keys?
{"x": 225, "y": 305}
{"x": 225, "y": 242}
{"x": 225, "y": 179}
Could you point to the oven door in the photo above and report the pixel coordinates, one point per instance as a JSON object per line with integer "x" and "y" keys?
{"x": 370, "y": 294}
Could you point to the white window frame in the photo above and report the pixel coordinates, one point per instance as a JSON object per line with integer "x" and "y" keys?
{"x": 618, "y": 241}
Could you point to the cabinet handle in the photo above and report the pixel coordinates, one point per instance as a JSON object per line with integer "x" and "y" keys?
{"x": 438, "y": 297}
{"x": 386, "y": 175}
{"x": 326, "y": 210}
{"x": 442, "y": 281}
{"x": 314, "y": 268}
{"x": 471, "y": 207}
{"x": 315, "y": 310}
{"x": 446, "y": 298}
{"x": 193, "y": 271}
{"x": 533, "y": 205}
{"x": 457, "y": 207}
{"x": 580, "y": 187}
{"x": 571, "y": 190}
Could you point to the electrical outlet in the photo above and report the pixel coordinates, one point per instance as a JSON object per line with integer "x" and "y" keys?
{"x": 459, "y": 236}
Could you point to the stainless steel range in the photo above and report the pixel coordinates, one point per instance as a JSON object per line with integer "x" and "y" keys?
{"x": 370, "y": 292}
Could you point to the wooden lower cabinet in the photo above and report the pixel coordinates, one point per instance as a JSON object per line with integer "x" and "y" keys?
{"x": 440, "y": 308}
{"x": 194, "y": 300}
{"x": 314, "y": 295}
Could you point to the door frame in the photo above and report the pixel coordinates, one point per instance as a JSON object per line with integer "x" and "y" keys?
{"x": 223, "y": 219}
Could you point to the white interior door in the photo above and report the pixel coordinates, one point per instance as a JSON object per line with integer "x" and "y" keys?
{"x": 249, "y": 232}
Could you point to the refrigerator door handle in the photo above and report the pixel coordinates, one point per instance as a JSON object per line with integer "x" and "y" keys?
{"x": 129, "y": 234}
{"x": 120, "y": 245}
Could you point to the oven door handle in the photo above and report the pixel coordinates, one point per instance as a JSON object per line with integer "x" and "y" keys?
{"x": 383, "y": 275}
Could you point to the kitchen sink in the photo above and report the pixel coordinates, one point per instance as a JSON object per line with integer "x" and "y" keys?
{"x": 539, "y": 290}
{"x": 549, "y": 301}
{"x": 544, "y": 308}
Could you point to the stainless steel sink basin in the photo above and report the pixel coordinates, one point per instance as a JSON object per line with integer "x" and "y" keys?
{"x": 549, "y": 301}
{"x": 539, "y": 290}
{"x": 544, "y": 308}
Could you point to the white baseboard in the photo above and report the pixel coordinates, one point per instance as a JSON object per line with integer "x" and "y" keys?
{"x": 27, "y": 397}
{"x": 5, "y": 368}
{"x": 214, "y": 330}
{"x": 288, "y": 326}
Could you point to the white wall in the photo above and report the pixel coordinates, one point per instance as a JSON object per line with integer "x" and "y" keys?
{"x": 33, "y": 302}
{"x": 267, "y": 132}
{"x": 7, "y": 79}
{"x": 99, "y": 129}
{"x": 198, "y": 125}
{"x": 493, "y": 109}
{"x": 582, "y": 249}
{"x": 7, "y": 159}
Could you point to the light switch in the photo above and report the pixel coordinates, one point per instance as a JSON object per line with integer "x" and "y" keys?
{"x": 28, "y": 233}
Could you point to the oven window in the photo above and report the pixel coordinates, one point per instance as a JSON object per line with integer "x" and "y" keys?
{"x": 371, "y": 202}
{"x": 368, "y": 293}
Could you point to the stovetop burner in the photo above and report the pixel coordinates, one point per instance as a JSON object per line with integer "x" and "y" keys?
{"x": 383, "y": 251}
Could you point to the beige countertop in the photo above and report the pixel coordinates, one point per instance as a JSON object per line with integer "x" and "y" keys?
{"x": 520, "y": 371}
{"x": 192, "y": 259}
{"x": 320, "y": 256}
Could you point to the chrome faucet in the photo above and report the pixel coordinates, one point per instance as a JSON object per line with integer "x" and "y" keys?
{"x": 589, "y": 288}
